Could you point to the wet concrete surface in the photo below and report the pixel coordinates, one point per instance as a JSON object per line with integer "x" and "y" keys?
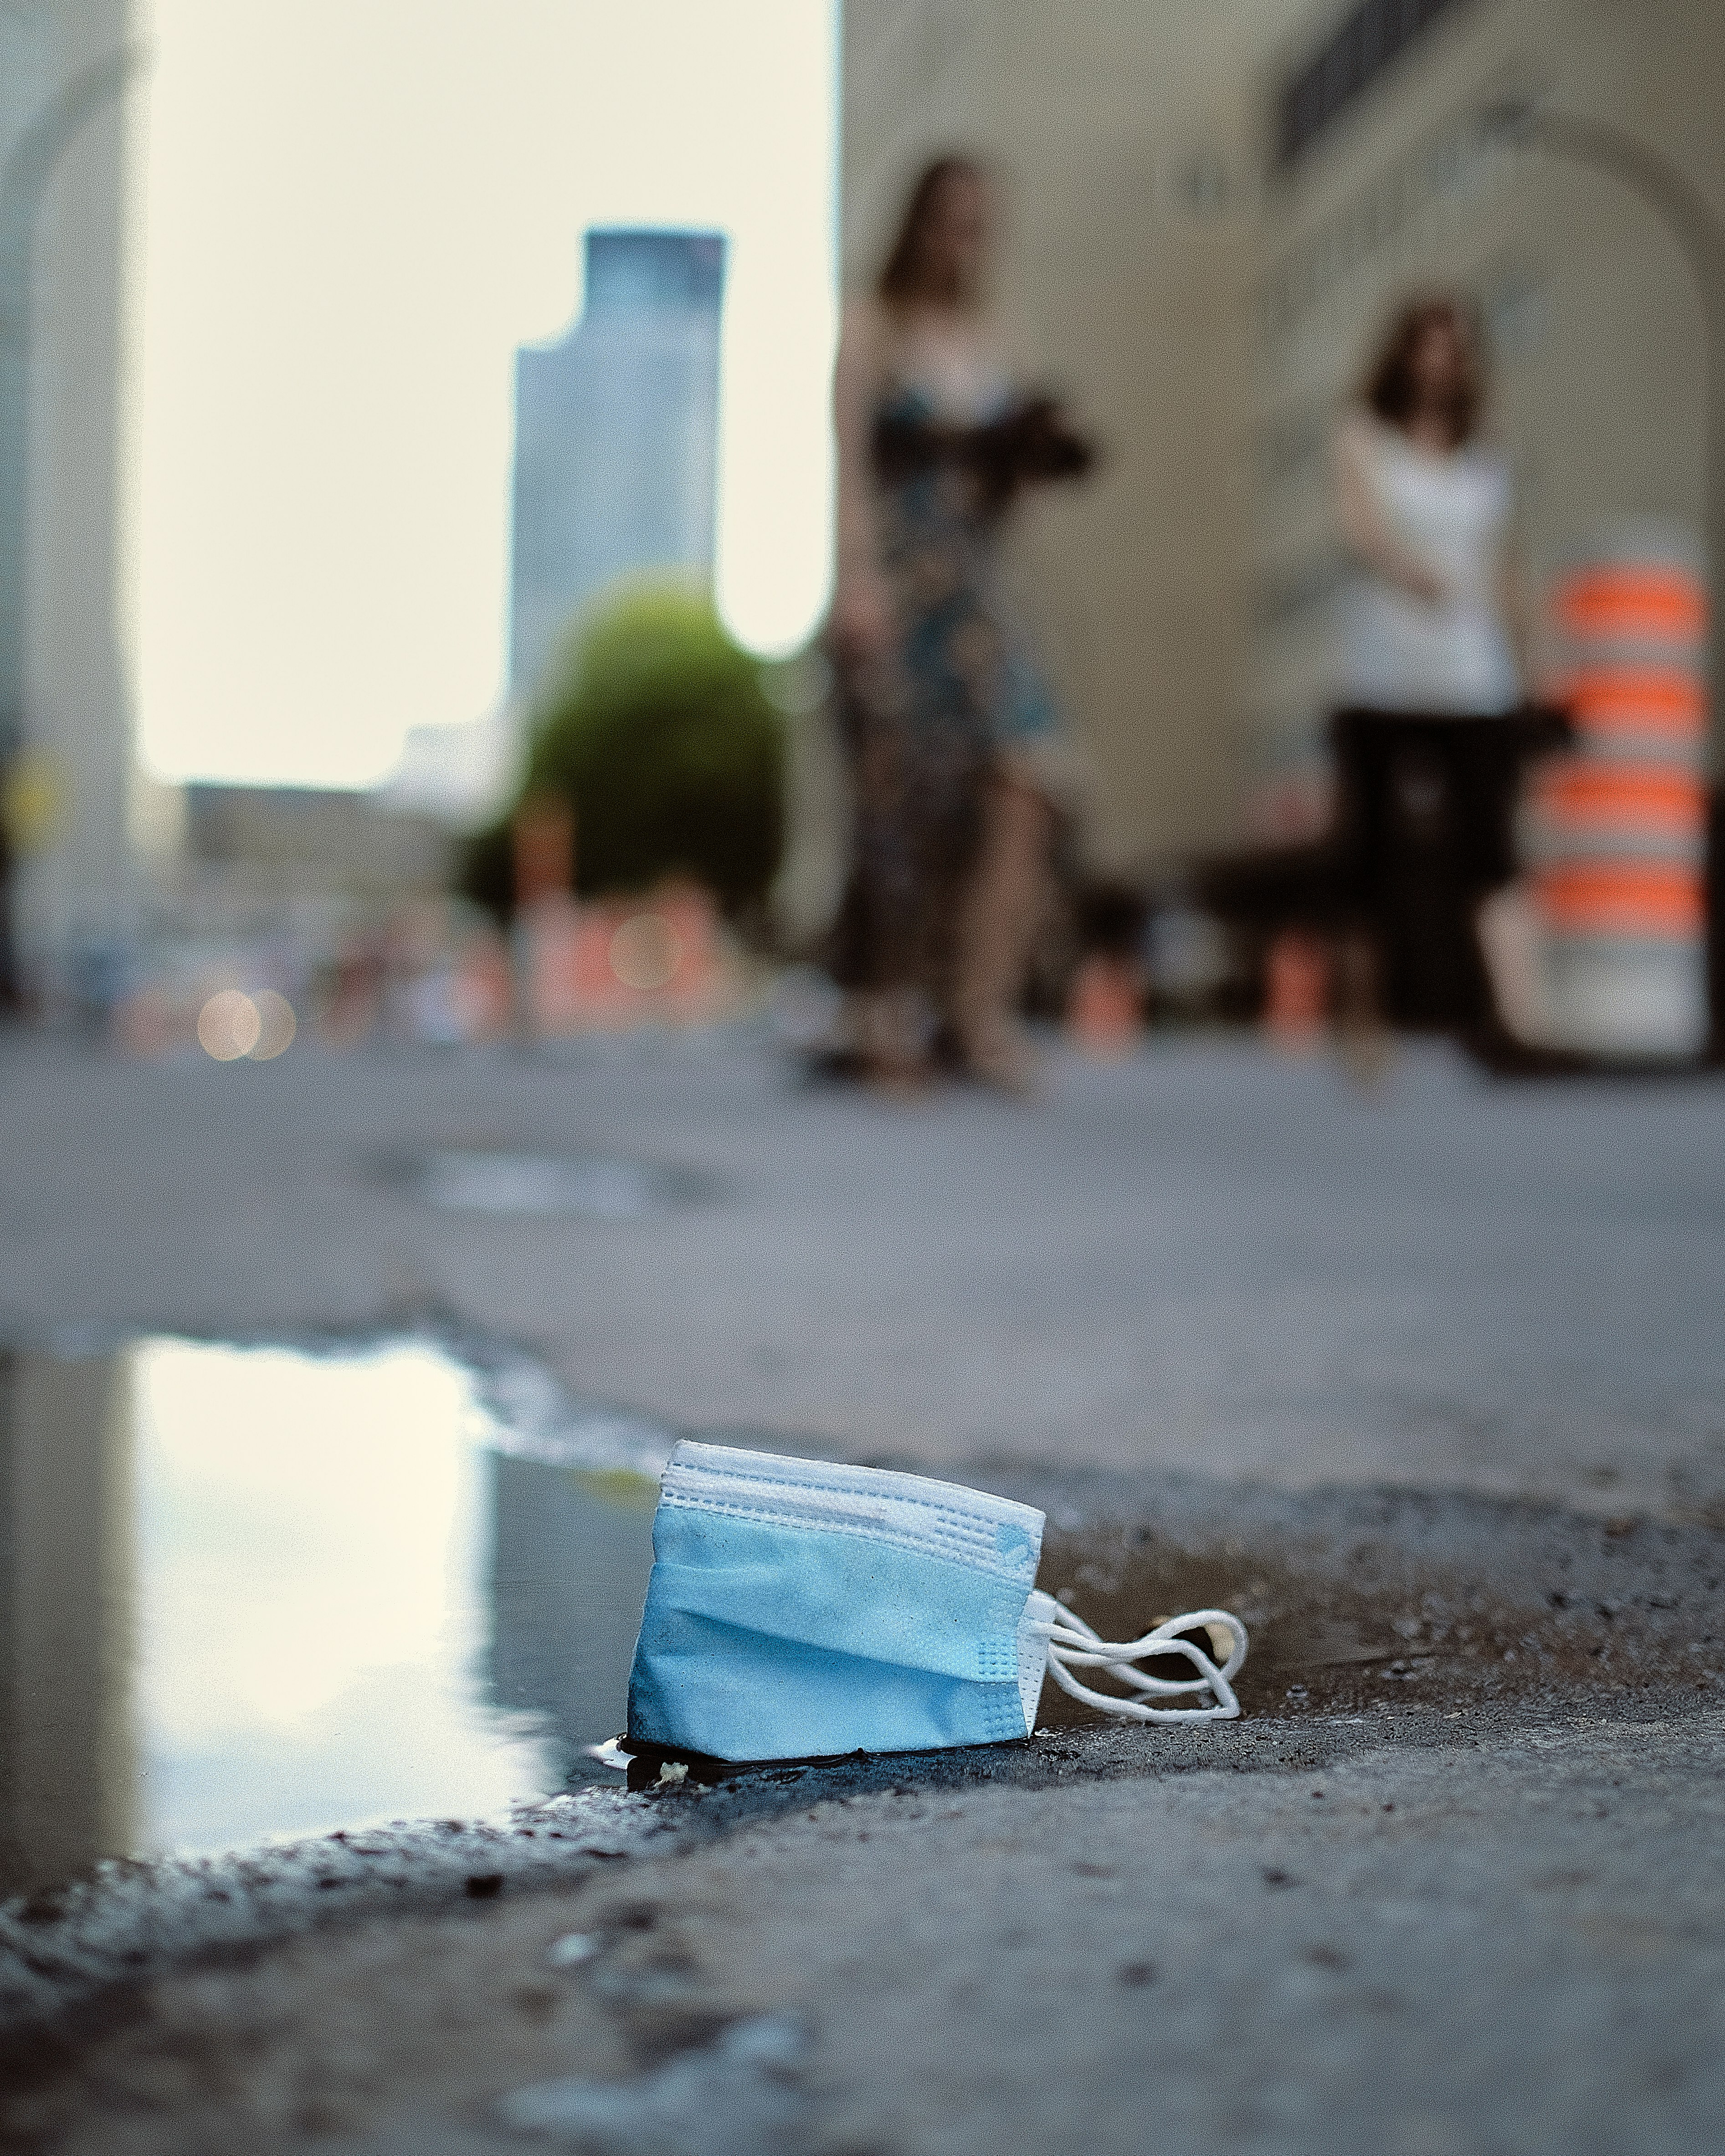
{"x": 1416, "y": 1931}
{"x": 1355, "y": 1596}
{"x": 1421, "y": 1897}
{"x": 252, "y": 1590}
{"x": 1426, "y": 1384}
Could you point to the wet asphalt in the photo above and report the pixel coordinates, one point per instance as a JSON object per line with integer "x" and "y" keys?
{"x": 1425, "y": 1382}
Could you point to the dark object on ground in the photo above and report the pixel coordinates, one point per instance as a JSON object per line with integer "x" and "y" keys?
{"x": 1109, "y": 916}
{"x": 1425, "y": 816}
{"x": 657, "y": 731}
{"x": 10, "y": 993}
{"x": 11, "y": 985}
{"x": 1425, "y": 802}
{"x": 1716, "y": 922}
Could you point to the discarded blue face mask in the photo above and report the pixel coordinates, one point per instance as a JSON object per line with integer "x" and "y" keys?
{"x": 800, "y": 1610}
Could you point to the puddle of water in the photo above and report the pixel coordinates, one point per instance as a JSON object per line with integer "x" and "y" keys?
{"x": 583, "y": 1186}
{"x": 247, "y": 1592}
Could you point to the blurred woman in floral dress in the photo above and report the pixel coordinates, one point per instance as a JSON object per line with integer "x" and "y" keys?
{"x": 945, "y": 718}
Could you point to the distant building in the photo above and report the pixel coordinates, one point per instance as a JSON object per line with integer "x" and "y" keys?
{"x": 64, "y": 702}
{"x": 616, "y": 434}
{"x": 269, "y": 844}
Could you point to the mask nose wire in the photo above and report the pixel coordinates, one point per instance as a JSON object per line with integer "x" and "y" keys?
{"x": 1074, "y": 1645}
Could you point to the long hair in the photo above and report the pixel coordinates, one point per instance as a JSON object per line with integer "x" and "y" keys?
{"x": 1390, "y": 389}
{"x": 901, "y": 280}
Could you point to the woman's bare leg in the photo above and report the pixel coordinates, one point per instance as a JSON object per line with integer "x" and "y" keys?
{"x": 886, "y": 1030}
{"x": 998, "y": 921}
{"x": 881, "y": 1024}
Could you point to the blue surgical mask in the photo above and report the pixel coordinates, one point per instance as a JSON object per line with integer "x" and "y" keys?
{"x": 801, "y": 1610}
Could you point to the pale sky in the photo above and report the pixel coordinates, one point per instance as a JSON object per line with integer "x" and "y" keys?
{"x": 354, "y": 212}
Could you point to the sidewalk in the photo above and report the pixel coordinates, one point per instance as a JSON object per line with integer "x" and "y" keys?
{"x": 1430, "y": 1375}
{"x": 1205, "y": 1257}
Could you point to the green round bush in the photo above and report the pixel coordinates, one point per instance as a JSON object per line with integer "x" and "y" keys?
{"x": 655, "y": 728}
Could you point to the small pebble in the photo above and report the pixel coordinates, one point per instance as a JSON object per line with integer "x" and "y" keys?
{"x": 573, "y": 1947}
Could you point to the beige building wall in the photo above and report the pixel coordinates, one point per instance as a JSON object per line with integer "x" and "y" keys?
{"x": 1126, "y": 132}
{"x": 1598, "y": 328}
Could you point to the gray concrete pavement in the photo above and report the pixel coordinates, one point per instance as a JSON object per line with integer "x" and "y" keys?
{"x": 1427, "y": 1380}
{"x": 1440, "y": 1935}
{"x": 1203, "y": 1257}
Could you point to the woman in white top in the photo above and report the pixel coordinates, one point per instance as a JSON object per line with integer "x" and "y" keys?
{"x": 1432, "y": 620}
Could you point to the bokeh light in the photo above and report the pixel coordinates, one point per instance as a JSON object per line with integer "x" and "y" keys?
{"x": 276, "y": 1026}
{"x": 230, "y": 1026}
{"x": 645, "y": 952}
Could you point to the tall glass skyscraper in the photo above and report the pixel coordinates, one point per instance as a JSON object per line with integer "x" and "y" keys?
{"x": 616, "y": 434}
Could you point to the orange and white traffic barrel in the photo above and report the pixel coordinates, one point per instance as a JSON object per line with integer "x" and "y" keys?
{"x": 1616, "y": 830}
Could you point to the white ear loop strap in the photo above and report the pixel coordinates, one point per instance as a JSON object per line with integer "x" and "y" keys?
{"x": 1073, "y": 1645}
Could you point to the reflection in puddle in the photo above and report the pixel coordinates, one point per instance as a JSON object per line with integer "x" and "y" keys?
{"x": 248, "y": 1592}
{"x": 584, "y": 1186}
